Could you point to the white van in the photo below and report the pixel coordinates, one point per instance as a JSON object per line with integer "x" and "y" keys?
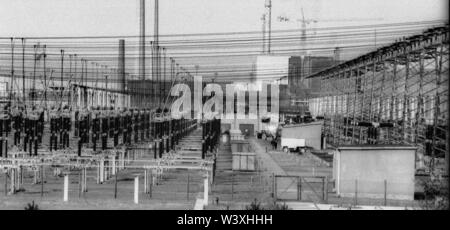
{"x": 292, "y": 144}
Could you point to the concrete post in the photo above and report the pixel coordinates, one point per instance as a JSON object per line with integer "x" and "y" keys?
{"x": 106, "y": 170}
{"x": 385, "y": 193}
{"x": 66, "y": 188}
{"x": 98, "y": 174}
{"x": 145, "y": 181}
{"x": 12, "y": 181}
{"x": 356, "y": 192}
{"x": 84, "y": 180}
{"x": 205, "y": 190}
{"x": 136, "y": 190}
{"x": 102, "y": 170}
{"x": 113, "y": 161}
{"x": 35, "y": 178}
{"x": 154, "y": 176}
{"x": 326, "y": 189}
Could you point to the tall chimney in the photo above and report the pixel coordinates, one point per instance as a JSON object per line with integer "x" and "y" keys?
{"x": 269, "y": 23}
{"x": 142, "y": 41}
{"x": 263, "y": 19}
{"x": 121, "y": 66}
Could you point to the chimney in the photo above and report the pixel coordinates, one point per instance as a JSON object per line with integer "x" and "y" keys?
{"x": 142, "y": 41}
{"x": 121, "y": 66}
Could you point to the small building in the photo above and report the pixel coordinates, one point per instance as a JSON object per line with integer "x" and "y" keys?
{"x": 375, "y": 171}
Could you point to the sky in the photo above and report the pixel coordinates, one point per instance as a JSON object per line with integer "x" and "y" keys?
{"x": 72, "y": 18}
{"x": 22, "y": 18}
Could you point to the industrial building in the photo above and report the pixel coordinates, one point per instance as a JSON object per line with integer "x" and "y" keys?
{"x": 329, "y": 116}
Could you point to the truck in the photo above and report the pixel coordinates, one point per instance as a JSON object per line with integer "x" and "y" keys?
{"x": 298, "y": 137}
{"x": 293, "y": 144}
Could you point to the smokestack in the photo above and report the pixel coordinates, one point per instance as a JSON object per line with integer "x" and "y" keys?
{"x": 157, "y": 56}
{"x": 121, "y": 66}
{"x": 263, "y": 19}
{"x": 142, "y": 41}
{"x": 269, "y": 23}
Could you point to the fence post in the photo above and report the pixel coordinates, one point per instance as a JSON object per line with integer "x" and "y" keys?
{"x": 187, "y": 189}
{"x": 206, "y": 190}
{"x": 275, "y": 187}
{"x": 98, "y": 173}
{"x": 232, "y": 186}
{"x": 385, "y": 193}
{"x": 85, "y": 180}
{"x": 66, "y": 188}
{"x": 80, "y": 183}
{"x": 115, "y": 186}
{"x": 6, "y": 183}
{"x": 145, "y": 181}
{"x": 299, "y": 189}
{"x": 42, "y": 181}
{"x": 356, "y": 192}
{"x": 325, "y": 190}
{"x": 114, "y": 165}
{"x": 136, "y": 190}
{"x": 151, "y": 183}
{"x": 102, "y": 171}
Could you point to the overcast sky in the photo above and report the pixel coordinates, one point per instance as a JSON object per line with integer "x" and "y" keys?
{"x": 21, "y": 18}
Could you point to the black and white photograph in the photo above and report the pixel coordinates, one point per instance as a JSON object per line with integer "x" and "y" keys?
{"x": 224, "y": 106}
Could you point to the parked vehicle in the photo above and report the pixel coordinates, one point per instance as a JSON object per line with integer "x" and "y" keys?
{"x": 289, "y": 144}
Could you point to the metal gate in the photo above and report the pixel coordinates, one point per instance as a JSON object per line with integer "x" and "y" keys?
{"x": 290, "y": 187}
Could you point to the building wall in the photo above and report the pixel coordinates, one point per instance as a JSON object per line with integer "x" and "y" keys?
{"x": 311, "y": 132}
{"x": 365, "y": 169}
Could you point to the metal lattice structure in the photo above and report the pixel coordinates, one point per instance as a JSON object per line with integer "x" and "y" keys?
{"x": 397, "y": 94}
